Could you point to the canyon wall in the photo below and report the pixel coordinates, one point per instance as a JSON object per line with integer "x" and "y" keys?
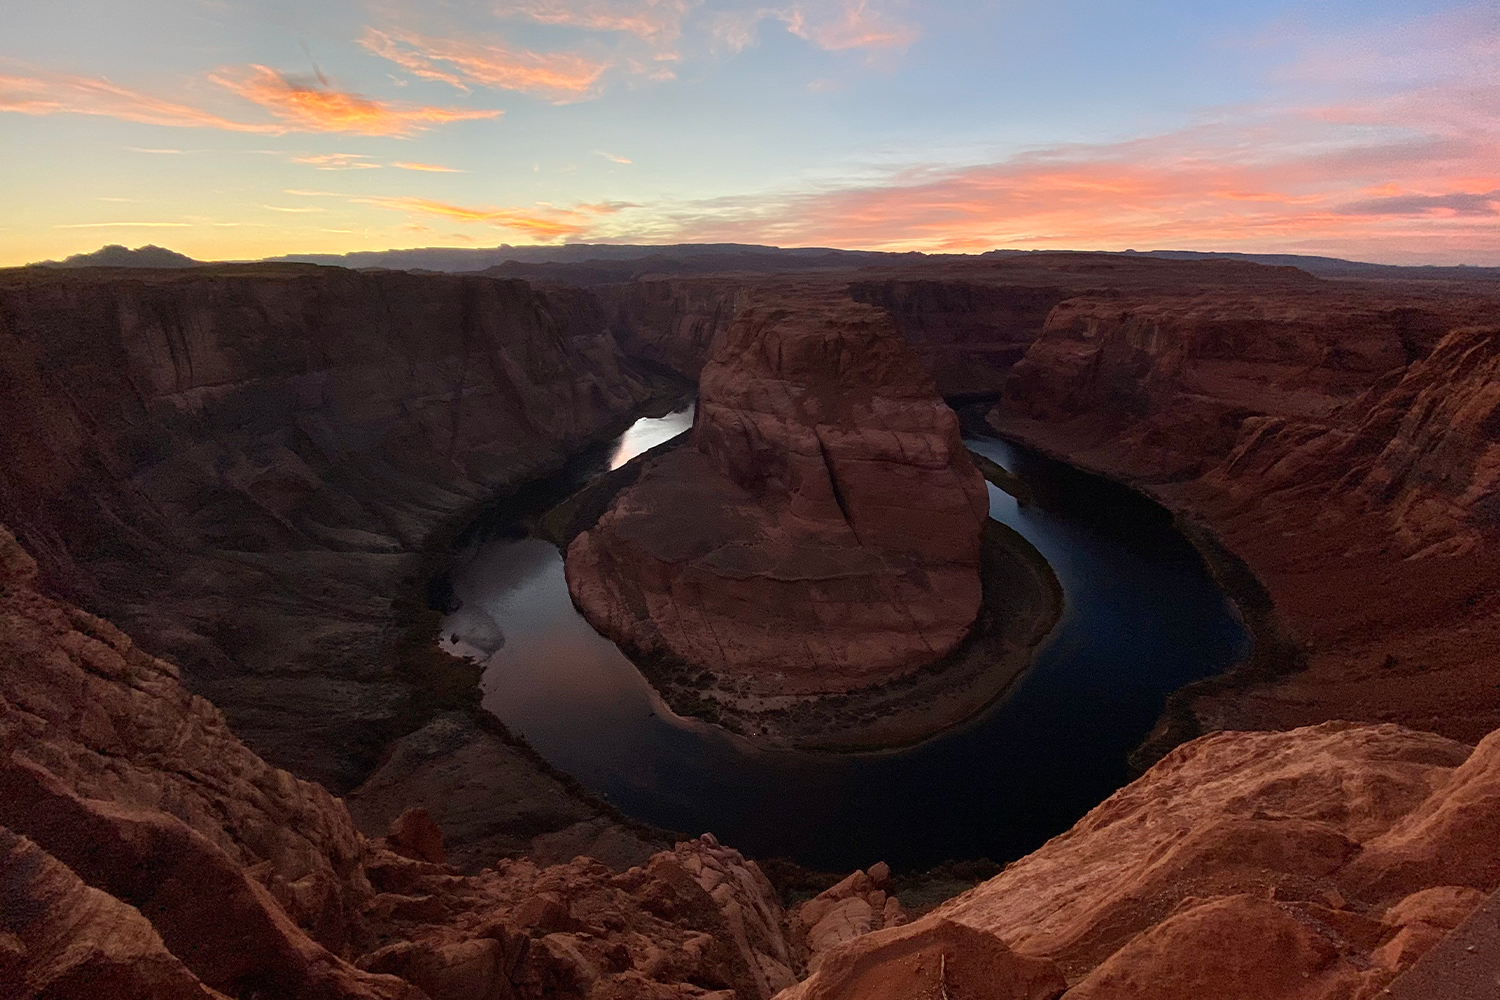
{"x": 146, "y": 852}
{"x": 1316, "y": 864}
{"x": 1341, "y": 440}
{"x": 241, "y": 465}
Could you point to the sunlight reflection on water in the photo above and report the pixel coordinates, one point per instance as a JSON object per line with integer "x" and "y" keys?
{"x": 649, "y": 432}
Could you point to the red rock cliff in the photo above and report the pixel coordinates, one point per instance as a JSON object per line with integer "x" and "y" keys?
{"x": 239, "y": 464}
{"x": 822, "y": 531}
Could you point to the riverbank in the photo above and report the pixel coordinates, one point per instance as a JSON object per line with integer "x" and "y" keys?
{"x": 1021, "y": 602}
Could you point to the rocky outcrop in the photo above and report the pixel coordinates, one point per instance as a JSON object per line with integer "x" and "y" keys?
{"x": 852, "y": 908}
{"x": 822, "y": 531}
{"x": 930, "y": 960}
{"x": 61, "y": 938}
{"x": 493, "y": 798}
{"x": 148, "y": 852}
{"x": 240, "y": 464}
{"x": 1318, "y": 863}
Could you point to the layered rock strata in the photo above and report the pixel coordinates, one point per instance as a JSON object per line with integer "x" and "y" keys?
{"x": 821, "y": 532}
{"x": 1309, "y": 865}
{"x": 146, "y": 852}
{"x": 242, "y": 464}
{"x": 1343, "y": 445}
{"x": 145, "y": 848}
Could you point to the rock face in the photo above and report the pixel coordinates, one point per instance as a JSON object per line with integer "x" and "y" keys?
{"x": 1314, "y": 864}
{"x": 146, "y": 852}
{"x": 240, "y": 464}
{"x": 1338, "y": 438}
{"x": 822, "y": 531}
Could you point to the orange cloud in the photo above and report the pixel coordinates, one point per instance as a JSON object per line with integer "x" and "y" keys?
{"x": 82, "y": 95}
{"x": 431, "y": 168}
{"x": 853, "y": 25}
{"x": 1291, "y": 182}
{"x": 560, "y": 76}
{"x": 299, "y": 106}
{"x": 545, "y": 222}
{"x": 315, "y": 106}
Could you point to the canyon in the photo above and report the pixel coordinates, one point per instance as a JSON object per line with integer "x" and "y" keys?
{"x": 248, "y": 475}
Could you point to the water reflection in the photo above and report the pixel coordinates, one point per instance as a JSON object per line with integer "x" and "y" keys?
{"x": 1142, "y": 618}
{"x": 648, "y": 432}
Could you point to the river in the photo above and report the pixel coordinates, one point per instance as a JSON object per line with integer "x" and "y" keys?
{"x": 1142, "y": 618}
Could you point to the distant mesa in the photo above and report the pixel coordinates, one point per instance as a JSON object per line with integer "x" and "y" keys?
{"x": 115, "y": 255}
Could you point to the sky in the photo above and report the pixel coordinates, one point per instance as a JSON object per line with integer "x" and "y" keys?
{"x": 238, "y": 130}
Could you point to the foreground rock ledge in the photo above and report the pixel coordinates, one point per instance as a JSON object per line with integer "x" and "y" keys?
{"x": 821, "y": 533}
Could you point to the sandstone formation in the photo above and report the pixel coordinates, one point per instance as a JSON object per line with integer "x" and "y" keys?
{"x": 1341, "y": 442}
{"x": 241, "y": 464}
{"x": 249, "y": 466}
{"x": 146, "y": 852}
{"x": 1314, "y": 864}
{"x": 821, "y": 533}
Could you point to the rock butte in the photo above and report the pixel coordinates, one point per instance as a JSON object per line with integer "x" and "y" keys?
{"x": 821, "y": 531}
{"x": 1339, "y": 437}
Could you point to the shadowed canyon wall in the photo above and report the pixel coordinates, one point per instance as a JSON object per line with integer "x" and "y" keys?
{"x": 241, "y": 465}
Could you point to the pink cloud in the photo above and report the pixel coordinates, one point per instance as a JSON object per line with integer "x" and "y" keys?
{"x": 653, "y": 20}
{"x": 1272, "y": 181}
{"x": 544, "y": 222}
{"x": 82, "y": 95}
{"x": 560, "y": 76}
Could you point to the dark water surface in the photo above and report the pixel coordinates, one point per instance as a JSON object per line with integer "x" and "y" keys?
{"x": 1142, "y": 619}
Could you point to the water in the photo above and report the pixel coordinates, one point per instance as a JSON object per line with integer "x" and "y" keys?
{"x": 1142, "y": 618}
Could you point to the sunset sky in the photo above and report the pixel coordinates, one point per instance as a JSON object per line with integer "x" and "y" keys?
{"x": 231, "y": 130}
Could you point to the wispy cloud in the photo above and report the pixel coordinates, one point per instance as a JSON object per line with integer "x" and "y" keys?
{"x": 82, "y": 95}
{"x": 312, "y": 105}
{"x": 653, "y": 20}
{"x": 283, "y": 208}
{"x": 558, "y": 76}
{"x": 613, "y": 158}
{"x": 429, "y": 168}
{"x": 125, "y": 225}
{"x": 544, "y": 222}
{"x": 832, "y": 25}
{"x": 337, "y": 161}
{"x": 297, "y": 105}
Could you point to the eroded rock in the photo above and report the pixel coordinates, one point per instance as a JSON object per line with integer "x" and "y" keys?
{"x": 822, "y": 531}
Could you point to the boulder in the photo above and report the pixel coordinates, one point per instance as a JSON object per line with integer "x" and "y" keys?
{"x": 930, "y": 959}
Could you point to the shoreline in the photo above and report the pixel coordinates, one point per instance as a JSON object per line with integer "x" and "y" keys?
{"x": 1012, "y": 624}
{"x": 1275, "y": 650}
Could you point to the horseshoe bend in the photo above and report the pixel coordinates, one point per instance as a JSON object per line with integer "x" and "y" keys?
{"x": 280, "y": 541}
